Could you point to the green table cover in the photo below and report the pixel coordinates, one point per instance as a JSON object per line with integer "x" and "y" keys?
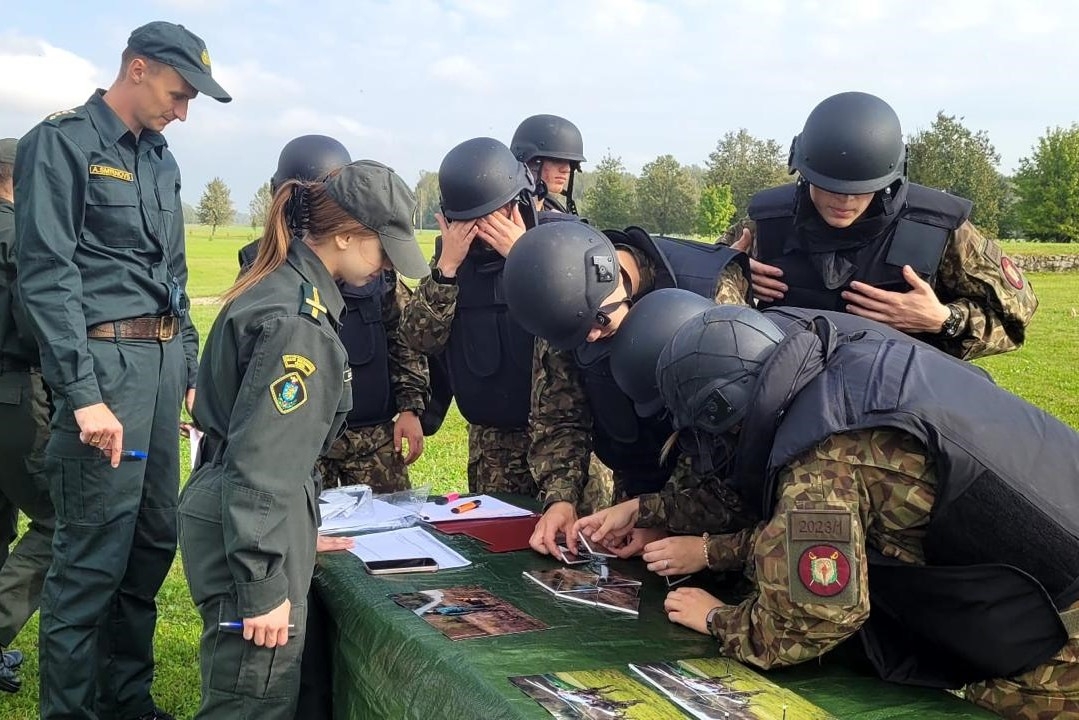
{"x": 388, "y": 663}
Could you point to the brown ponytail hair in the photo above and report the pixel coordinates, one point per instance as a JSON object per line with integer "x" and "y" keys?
{"x": 299, "y": 209}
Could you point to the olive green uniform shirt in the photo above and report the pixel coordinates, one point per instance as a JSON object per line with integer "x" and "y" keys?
{"x": 274, "y": 384}
{"x": 100, "y": 237}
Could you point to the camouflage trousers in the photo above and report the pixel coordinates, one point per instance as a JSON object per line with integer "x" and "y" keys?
{"x": 1048, "y": 692}
{"x": 366, "y": 456}
{"x": 498, "y": 463}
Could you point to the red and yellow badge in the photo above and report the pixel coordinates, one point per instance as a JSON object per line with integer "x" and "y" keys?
{"x": 1011, "y": 273}
{"x": 824, "y": 570}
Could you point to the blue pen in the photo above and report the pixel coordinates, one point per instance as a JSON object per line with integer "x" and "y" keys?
{"x": 132, "y": 455}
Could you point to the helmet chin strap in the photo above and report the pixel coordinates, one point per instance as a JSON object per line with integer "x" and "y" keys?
{"x": 570, "y": 204}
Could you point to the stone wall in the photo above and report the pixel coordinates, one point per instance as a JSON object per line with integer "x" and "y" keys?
{"x": 1047, "y": 263}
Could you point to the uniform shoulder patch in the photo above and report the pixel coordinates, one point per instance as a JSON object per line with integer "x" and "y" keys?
{"x": 1011, "y": 272}
{"x": 299, "y": 363}
{"x": 311, "y": 302}
{"x": 288, "y": 392}
{"x": 821, "y": 557}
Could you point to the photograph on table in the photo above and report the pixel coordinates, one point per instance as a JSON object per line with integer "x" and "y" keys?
{"x": 609, "y": 590}
{"x": 723, "y": 689}
{"x": 467, "y": 612}
{"x": 596, "y": 695}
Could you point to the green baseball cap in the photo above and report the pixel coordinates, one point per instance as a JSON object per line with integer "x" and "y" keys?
{"x": 7, "y": 150}
{"x": 380, "y": 200}
{"x": 182, "y": 50}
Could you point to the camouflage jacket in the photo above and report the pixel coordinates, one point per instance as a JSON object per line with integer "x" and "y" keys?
{"x": 886, "y": 483}
{"x": 560, "y": 418}
{"x": 989, "y": 290}
{"x": 408, "y": 366}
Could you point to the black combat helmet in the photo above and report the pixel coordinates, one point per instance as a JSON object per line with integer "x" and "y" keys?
{"x": 308, "y": 158}
{"x": 641, "y": 337}
{"x": 851, "y": 144}
{"x": 479, "y": 176}
{"x": 556, "y": 277}
{"x": 708, "y": 370}
{"x": 548, "y": 136}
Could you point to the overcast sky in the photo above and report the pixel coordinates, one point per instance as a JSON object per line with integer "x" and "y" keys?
{"x": 404, "y": 81}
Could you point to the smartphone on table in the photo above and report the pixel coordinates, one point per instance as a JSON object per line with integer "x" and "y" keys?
{"x": 404, "y": 565}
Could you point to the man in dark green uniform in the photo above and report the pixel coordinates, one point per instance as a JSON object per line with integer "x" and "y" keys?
{"x": 102, "y": 273}
{"x": 24, "y": 415}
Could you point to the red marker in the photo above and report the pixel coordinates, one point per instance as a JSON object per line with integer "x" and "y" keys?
{"x": 465, "y": 507}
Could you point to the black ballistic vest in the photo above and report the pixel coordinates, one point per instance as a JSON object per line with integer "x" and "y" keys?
{"x": 488, "y": 356}
{"x": 364, "y": 336}
{"x": 626, "y": 443}
{"x": 1002, "y": 545}
{"x": 917, "y": 238}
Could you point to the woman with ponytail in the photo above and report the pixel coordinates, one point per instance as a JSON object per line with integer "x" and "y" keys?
{"x": 273, "y": 392}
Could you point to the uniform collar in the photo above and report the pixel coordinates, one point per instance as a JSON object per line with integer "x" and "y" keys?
{"x": 308, "y": 264}
{"x": 111, "y": 128}
{"x": 6, "y": 206}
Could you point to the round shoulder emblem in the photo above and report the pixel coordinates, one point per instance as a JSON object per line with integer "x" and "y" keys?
{"x": 1011, "y": 273}
{"x": 824, "y": 570}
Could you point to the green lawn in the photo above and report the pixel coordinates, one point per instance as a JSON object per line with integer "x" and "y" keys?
{"x": 1035, "y": 248}
{"x": 1041, "y": 372}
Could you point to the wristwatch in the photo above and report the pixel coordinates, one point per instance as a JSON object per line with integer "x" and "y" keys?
{"x": 954, "y": 324}
{"x": 441, "y": 279}
{"x": 709, "y": 617}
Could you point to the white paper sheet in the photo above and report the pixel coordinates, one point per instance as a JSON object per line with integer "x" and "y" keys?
{"x": 406, "y": 543}
{"x": 489, "y": 508}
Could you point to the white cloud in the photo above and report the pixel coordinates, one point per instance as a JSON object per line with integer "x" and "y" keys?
{"x": 461, "y": 73}
{"x": 40, "y": 78}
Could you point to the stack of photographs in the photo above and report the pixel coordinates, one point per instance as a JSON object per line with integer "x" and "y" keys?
{"x": 605, "y": 589}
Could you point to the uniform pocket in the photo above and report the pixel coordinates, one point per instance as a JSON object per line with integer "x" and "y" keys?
{"x": 112, "y": 211}
{"x": 10, "y": 395}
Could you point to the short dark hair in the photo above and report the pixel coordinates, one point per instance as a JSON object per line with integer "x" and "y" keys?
{"x": 128, "y": 55}
{"x": 7, "y": 173}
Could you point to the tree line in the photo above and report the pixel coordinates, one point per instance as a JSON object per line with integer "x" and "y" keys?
{"x": 1039, "y": 202}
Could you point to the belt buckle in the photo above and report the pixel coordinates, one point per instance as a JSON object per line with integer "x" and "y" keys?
{"x": 164, "y": 335}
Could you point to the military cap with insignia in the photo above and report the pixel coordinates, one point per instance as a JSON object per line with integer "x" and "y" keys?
{"x": 182, "y": 50}
{"x": 381, "y": 201}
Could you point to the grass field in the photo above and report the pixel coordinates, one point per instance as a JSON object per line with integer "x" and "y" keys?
{"x": 1042, "y": 372}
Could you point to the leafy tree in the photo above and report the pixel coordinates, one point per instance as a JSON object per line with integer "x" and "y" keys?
{"x": 747, "y": 165}
{"x": 259, "y": 206}
{"x": 1010, "y": 225}
{"x": 666, "y": 197}
{"x": 190, "y": 215}
{"x": 608, "y": 202}
{"x": 715, "y": 210}
{"x": 215, "y": 206}
{"x": 1048, "y": 186}
{"x": 428, "y": 197}
{"x": 949, "y": 156}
